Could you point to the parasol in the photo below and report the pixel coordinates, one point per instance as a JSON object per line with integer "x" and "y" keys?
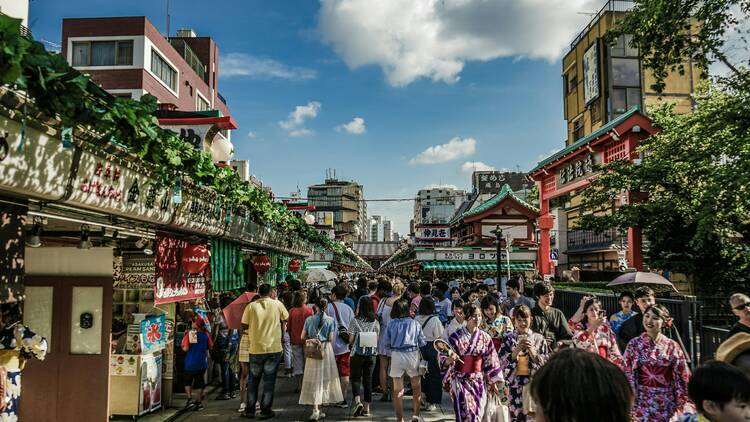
{"x": 233, "y": 312}
{"x": 632, "y": 281}
{"x": 317, "y": 275}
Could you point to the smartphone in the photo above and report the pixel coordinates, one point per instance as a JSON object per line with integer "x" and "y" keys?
{"x": 603, "y": 313}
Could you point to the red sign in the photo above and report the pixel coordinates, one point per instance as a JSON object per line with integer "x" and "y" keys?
{"x": 175, "y": 282}
{"x": 294, "y": 265}
{"x": 195, "y": 258}
{"x": 261, "y": 264}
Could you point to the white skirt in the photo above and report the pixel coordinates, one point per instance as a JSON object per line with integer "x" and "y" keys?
{"x": 320, "y": 383}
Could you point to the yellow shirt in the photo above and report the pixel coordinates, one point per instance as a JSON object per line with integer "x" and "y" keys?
{"x": 263, "y": 317}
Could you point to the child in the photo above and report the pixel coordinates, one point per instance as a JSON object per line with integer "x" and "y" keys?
{"x": 196, "y": 344}
{"x": 720, "y": 392}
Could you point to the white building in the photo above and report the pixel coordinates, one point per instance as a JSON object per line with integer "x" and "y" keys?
{"x": 437, "y": 206}
{"x": 18, "y": 9}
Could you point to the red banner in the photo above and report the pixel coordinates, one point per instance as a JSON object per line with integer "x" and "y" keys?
{"x": 181, "y": 273}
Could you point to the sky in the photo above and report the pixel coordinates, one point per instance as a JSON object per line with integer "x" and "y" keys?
{"x": 397, "y": 95}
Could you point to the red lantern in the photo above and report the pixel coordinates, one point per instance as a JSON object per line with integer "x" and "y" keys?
{"x": 294, "y": 265}
{"x": 261, "y": 264}
{"x": 195, "y": 258}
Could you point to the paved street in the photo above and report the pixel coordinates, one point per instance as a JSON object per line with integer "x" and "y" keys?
{"x": 287, "y": 409}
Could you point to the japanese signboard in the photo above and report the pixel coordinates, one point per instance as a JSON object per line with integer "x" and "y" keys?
{"x": 576, "y": 169}
{"x": 153, "y": 334}
{"x": 591, "y": 74}
{"x": 173, "y": 282}
{"x": 436, "y": 233}
{"x": 134, "y": 271}
{"x": 458, "y": 255}
{"x": 324, "y": 218}
{"x": 490, "y": 182}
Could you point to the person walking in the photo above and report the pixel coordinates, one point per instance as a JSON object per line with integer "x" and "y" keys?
{"x": 458, "y": 319}
{"x": 657, "y": 371}
{"x": 342, "y": 316}
{"x": 626, "y": 312}
{"x": 384, "y": 354}
{"x": 494, "y": 322}
{"x": 298, "y": 314}
{"x": 264, "y": 319}
{"x": 633, "y": 326}
{"x": 515, "y": 297}
{"x": 403, "y": 338}
{"x": 522, "y": 353}
{"x": 433, "y": 329}
{"x": 594, "y": 334}
{"x": 365, "y": 330}
{"x": 473, "y": 370}
{"x": 196, "y": 345}
{"x": 320, "y": 383}
{"x": 548, "y": 321}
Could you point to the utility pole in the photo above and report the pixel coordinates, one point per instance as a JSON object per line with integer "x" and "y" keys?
{"x": 498, "y": 232}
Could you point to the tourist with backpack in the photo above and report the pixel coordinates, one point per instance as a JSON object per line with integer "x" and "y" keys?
{"x": 365, "y": 330}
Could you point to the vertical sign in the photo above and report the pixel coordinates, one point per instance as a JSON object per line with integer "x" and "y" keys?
{"x": 591, "y": 73}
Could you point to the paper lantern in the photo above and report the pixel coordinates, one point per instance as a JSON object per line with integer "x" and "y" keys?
{"x": 195, "y": 258}
{"x": 221, "y": 149}
{"x": 261, "y": 264}
{"x": 294, "y": 265}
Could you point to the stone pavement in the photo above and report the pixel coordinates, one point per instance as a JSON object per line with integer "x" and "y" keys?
{"x": 287, "y": 409}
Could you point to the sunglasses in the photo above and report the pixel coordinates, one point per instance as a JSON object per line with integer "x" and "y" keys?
{"x": 741, "y": 307}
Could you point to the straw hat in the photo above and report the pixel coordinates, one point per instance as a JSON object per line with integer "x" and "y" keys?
{"x": 733, "y": 347}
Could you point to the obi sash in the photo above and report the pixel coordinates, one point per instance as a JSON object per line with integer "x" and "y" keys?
{"x": 655, "y": 376}
{"x": 471, "y": 364}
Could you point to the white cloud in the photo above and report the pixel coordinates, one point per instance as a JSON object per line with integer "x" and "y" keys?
{"x": 296, "y": 119}
{"x": 252, "y": 135}
{"x": 435, "y": 38}
{"x": 355, "y": 127}
{"x": 455, "y": 148}
{"x": 472, "y": 166}
{"x": 241, "y": 64}
{"x": 440, "y": 186}
{"x": 300, "y": 132}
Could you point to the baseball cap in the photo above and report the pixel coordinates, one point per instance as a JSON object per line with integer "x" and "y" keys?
{"x": 489, "y": 281}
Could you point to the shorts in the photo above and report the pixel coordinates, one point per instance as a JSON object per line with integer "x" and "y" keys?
{"x": 298, "y": 359}
{"x": 404, "y": 363}
{"x": 343, "y": 364}
{"x": 243, "y": 354}
{"x": 196, "y": 379}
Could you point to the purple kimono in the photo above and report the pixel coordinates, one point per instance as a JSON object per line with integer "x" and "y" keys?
{"x": 469, "y": 390}
{"x": 517, "y": 382}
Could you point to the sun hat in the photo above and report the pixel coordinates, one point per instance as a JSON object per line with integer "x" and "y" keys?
{"x": 732, "y": 347}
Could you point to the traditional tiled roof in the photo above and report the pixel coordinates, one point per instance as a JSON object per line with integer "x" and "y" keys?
{"x": 375, "y": 249}
{"x": 505, "y": 192}
{"x": 586, "y": 139}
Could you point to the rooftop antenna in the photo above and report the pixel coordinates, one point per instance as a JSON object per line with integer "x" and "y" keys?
{"x": 169, "y": 18}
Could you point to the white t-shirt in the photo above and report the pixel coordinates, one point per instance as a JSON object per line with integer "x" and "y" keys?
{"x": 347, "y": 315}
{"x": 433, "y": 330}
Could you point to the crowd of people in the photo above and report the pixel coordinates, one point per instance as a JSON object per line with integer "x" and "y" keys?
{"x": 344, "y": 342}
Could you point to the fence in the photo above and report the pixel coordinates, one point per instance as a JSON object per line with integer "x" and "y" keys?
{"x": 710, "y": 338}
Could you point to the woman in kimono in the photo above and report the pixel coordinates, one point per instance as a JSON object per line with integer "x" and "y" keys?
{"x": 522, "y": 353}
{"x": 658, "y": 371}
{"x": 17, "y": 345}
{"x": 594, "y": 334}
{"x": 494, "y": 323}
{"x": 478, "y": 372}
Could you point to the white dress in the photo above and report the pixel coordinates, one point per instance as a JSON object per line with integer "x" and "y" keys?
{"x": 320, "y": 382}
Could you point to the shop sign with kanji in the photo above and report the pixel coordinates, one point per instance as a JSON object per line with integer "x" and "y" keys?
{"x": 436, "y": 233}
{"x": 153, "y": 334}
{"x": 575, "y": 170}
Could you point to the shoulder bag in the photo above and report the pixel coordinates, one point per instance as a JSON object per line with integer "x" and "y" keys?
{"x": 313, "y": 347}
{"x": 343, "y": 332}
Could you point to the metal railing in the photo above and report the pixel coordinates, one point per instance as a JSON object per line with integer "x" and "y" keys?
{"x": 611, "y": 6}
{"x": 710, "y": 339}
{"x": 25, "y": 32}
{"x": 579, "y": 240}
{"x": 190, "y": 57}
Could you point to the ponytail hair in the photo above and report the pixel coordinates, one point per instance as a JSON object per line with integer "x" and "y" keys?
{"x": 322, "y": 305}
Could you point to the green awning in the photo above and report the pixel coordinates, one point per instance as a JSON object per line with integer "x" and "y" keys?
{"x": 320, "y": 265}
{"x": 476, "y": 266}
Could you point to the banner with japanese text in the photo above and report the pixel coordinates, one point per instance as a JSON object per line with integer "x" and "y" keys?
{"x": 153, "y": 334}
{"x": 182, "y": 270}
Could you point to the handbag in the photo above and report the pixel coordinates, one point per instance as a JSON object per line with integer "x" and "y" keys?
{"x": 343, "y": 333}
{"x": 423, "y": 365}
{"x": 495, "y": 410}
{"x": 313, "y": 347}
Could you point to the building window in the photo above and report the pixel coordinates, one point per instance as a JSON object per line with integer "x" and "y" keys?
{"x": 572, "y": 81}
{"x": 623, "y": 99}
{"x": 625, "y": 72}
{"x": 622, "y": 48}
{"x": 163, "y": 70}
{"x": 201, "y": 104}
{"x": 549, "y": 184}
{"x": 577, "y": 130}
{"x": 103, "y": 53}
{"x": 614, "y": 150}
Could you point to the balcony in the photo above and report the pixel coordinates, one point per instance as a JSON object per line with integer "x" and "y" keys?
{"x": 612, "y": 6}
{"x": 25, "y": 32}
{"x": 587, "y": 240}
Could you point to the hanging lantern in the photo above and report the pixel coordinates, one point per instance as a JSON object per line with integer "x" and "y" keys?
{"x": 261, "y": 264}
{"x": 239, "y": 266}
{"x": 294, "y": 265}
{"x": 195, "y": 258}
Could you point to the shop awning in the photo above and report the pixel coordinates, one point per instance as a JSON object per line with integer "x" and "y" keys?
{"x": 475, "y": 266}
{"x": 314, "y": 265}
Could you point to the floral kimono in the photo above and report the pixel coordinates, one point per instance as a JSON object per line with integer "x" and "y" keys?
{"x": 602, "y": 342}
{"x": 658, "y": 373}
{"x": 468, "y": 382}
{"x": 498, "y": 328}
{"x": 516, "y": 382}
{"x": 31, "y": 345}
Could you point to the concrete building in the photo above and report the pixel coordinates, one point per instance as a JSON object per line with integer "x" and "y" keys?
{"x": 387, "y": 231}
{"x": 346, "y": 200}
{"x": 18, "y": 9}
{"x": 437, "y": 206}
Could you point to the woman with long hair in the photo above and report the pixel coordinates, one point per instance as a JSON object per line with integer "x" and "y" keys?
{"x": 433, "y": 329}
{"x": 657, "y": 370}
{"x": 384, "y": 355}
{"x": 522, "y": 353}
{"x": 473, "y": 372}
{"x": 364, "y": 330}
{"x": 320, "y": 383}
{"x": 403, "y": 338}
{"x": 494, "y": 322}
{"x": 594, "y": 334}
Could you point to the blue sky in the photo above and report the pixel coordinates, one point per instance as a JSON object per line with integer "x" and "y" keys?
{"x": 477, "y": 81}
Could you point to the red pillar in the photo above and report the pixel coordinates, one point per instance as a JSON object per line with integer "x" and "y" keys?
{"x": 635, "y": 248}
{"x": 545, "y": 225}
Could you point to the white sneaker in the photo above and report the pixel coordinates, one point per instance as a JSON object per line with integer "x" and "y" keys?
{"x": 242, "y": 408}
{"x": 317, "y": 415}
{"x": 430, "y": 408}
